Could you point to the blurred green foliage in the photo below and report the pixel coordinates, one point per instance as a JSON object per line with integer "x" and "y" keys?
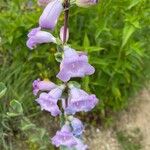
{"x": 17, "y": 131}
{"x": 114, "y": 33}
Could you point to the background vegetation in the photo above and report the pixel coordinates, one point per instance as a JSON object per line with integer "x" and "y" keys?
{"x": 114, "y": 33}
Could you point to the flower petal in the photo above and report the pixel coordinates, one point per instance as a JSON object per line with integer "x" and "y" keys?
{"x": 50, "y": 14}
{"x": 36, "y": 36}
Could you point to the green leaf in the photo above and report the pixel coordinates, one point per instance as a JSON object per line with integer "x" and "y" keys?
{"x": 75, "y": 84}
{"x": 15, "y": 109}
{"x": 133, "y": 3}
{"x": 85, "y": 83}
{"x": 58, "y": 56}
{"x": 127, "y": 32}
{"x": 3, "y": 89}
{"x": 65, "y": 148}
{"x": 26, "y": 124}
{"x": 116, "y": 92}
{"x": 95, "y": 49}
{"x": 86, "y": 42}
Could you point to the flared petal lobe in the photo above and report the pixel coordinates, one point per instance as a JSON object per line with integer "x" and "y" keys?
{"x": 64, "y": 137}
{"x": 44, "y": 85}
{"x": 51, "y": 14}
{"x": 74, "y": 64}
{"x": 79, "y": 101}
{"x": 36, "y": 36}
{"x": 48, "y": 101}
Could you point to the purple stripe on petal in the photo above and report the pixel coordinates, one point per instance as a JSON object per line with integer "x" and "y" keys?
{"x": 62, "y": 34}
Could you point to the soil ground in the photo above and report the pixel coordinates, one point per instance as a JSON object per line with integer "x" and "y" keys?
{"x": 132, "y": 128}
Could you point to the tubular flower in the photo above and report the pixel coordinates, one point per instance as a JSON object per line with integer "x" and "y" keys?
{"x": 74, "y": 64}
{"x": 43, "y": 2}
{"x": 50, "y": 14}
{"x": 36, "y": 36}
{"x": 79, "y": 146}
{"x": 62, "y": 34}
{"x": 44, "y": 85}
{"x": 77, "y": 127}
{"x": 79, "y": 100}
{"x": 48, "y": 101}
{"x": 64, "y": 137}
{"x": 86, "y": 3}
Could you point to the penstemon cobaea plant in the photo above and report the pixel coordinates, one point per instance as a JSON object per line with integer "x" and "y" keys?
{"x": 73, "y": 64}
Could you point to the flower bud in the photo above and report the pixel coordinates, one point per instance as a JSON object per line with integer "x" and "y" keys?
{"x": 50, "y": 15}
{"x": 62, "y": 34}
{"x": 43, "y": 3}
{"x": 86, "y": 3}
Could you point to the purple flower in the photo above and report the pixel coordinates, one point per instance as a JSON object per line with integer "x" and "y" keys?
{"x": 43, "y": 2}
{"x": 86, "y": 3}
{"x": 79, "y": 100}
{"x": 74, "y": 64}
{"x": 80, "y": 145}
{"x": 50, "y": 14}
{"x": 36, "y": 36}
{"x": 49, "y": 101}
{"x": 77, "y": 127}
{"x": 44, "y": 85}
{"x": 62, "y": 34}
{"x": 64, "y": 137}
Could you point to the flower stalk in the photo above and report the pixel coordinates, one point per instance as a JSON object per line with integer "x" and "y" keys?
{"x": 66, "y": 17}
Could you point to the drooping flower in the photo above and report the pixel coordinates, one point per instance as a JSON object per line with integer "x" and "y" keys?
{"x": 77, "y": 127}
{"x": 51, "y": 14}
{"x": 36, "y": 36}
{"x": 79, "y": 100}
{"x": 44, "y": 85}
{"x": 43, "y": 2}
{"x": 86, "y": 3}
{"x": 74, "y": 64}
{"x": 64, "y": 137}
{"x": 62, "y": 34}
{"x": 48, "y": 101}
{"x": 80, "y": 145}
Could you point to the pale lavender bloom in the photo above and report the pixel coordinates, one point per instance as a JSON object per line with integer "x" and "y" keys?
{"x": 74, "y": 64}
{"x": 48, "y": 101}
{"x": 86, "y": 3}
{"x": 36, "y": 36}
{"x": 43, "y": 2}
{"x": 77, "y": 127}
{"x": 64, "y": 137}
{"x": 44, "y": 85}
{"x": 51, "y": 14}
{"x": 80, "y": 145}
{"x": 62, "y": 34}
{"x": 79, "y": 100}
